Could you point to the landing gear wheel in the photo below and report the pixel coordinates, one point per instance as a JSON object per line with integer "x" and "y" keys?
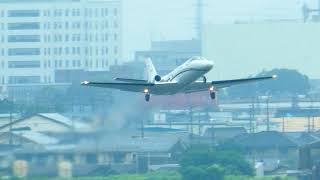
{"x": 204, "y": 79}
{"x": 213, "y": 95}
{"x": 147, "y": 97}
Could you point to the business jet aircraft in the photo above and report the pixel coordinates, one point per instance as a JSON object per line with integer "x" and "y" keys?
{"x": 183, "y": 79}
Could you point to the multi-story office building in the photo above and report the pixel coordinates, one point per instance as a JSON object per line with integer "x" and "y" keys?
{"x": 38, "y": 38}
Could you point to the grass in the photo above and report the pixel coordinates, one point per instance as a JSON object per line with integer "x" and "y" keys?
{"x": 160, "y": 175}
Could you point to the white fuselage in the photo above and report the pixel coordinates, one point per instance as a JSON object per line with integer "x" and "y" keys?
{"x": 187, "y": 73}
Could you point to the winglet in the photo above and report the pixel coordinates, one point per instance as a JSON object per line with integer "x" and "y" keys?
{"x": 85, "y": 83}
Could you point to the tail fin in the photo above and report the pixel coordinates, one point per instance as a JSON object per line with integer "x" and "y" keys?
{"x": 150, "y": 70}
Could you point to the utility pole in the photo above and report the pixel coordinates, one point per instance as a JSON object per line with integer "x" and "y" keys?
{"x": 309, "y": 124}
{"x": 252, "y": 117}
{"x": 199, "y": 123}
{"x": 142, "y": 128}
{"x": 199, "y": 19}
{"x": 268, "y": 118}
{"x": 283, "y": 125}
{"x": 191, "y": 120}
{"x": 10, "y": 107}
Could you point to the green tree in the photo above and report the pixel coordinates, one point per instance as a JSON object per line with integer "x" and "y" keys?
{"x": 193, "y": 172}
{"x": 224, "y": 161}
{"x": 215, "y": 172}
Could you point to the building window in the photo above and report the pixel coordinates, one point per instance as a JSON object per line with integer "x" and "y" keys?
{"x": 115, "y": 12}
{"x": 86, "y": 63}
{"x": 97, "y": 38}
{"x": 66, "y": 12}
{"x": 116, "y": 50}
{"x": 106, "y": 37}
{"x": 73, "y": 50}
{"x": 23, "y": 13}
{"x": 96, "y": 12}
{"x": 23, "y": 26}
{"x": 102, "y": 51}
{"x": 24, "y": 79}
{"x": 90, "y": 12}
{"x": 23, "y": 64}
{"x": 24, "y": 38}
{"x": 60, "y": 51}
{"x": 102, "y": 12}
{"x": 85, "y": 12}
{"x": 97, "y": 51}
{"x": 107, "y": 50}
{"x": 23, "y": 51}
{"x": 66, "y": 38}
{"x": 66, "y": 49}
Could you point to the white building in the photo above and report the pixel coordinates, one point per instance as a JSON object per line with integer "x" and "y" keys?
{"x": 39, "y": 37}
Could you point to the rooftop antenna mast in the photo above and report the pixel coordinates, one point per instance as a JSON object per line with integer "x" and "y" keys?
{"x": 199, "y": 18}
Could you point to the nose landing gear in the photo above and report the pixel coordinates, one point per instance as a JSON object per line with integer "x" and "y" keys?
{"x": 204, "y": 79}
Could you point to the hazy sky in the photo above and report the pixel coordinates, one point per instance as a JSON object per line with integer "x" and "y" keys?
{"x": 147, "y": 20}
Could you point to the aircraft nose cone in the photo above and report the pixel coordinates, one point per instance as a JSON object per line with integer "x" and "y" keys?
{"x": 208, "y": 65}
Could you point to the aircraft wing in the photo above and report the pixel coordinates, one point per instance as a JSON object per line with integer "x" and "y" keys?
{"x": 154, "y": 88}
{"x": 133, "y": 87}
{"x": 201, "y": 86}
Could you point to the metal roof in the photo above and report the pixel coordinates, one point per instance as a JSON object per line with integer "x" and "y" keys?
{"x": 65, "y": 120}
{"x": 36, "y": 137}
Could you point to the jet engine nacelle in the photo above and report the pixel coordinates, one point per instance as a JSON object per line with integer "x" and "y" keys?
{"x": 157, "y": 78}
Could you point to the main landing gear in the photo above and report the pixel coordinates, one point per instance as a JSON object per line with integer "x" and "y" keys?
{"x": 147, "y": 95}
{"x": 213, "y": 93}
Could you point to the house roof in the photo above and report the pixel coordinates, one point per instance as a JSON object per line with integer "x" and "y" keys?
{"x": 36, "y": 137}
{"x": 114, "y": 143}
{"x": 266, "y": 139}
{"x": 225, "y": 132}
{"x": 54, "y": 117}
{"x": 129, "y": 144}
{"x": 64, "y": 120}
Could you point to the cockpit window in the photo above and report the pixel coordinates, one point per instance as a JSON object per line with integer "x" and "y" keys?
{"x": 194, "y": 58}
